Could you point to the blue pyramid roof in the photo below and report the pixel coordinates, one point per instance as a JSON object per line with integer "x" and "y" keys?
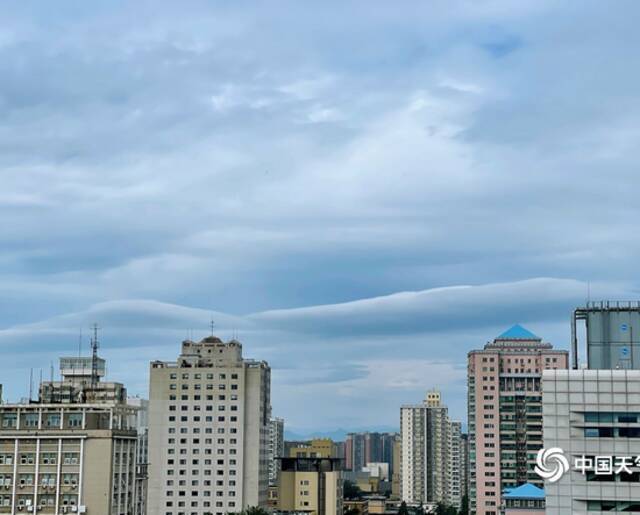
{"x": 526, "y": 491}
{"x": 517, "y": 332}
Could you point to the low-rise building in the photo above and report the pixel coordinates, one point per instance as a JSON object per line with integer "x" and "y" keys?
{"x": 311, "y": 485}
{"x": 526, "y": 499}
{"x": 73, "y": 450}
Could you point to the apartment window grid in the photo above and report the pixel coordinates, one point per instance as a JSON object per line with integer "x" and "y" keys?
{"x": 210, "y": 406}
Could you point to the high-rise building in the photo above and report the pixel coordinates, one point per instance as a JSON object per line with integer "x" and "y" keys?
{"x": 430, "y": 445}
{"x": 276, "y": 449}
{"x": 368, "y": 447}
{"x": 593, "y": 418}
{"x": 395, "y": 475}
{"x": 71, "y": 451}
{"x": 311, "y": 485}
{"x": 505, "y": 414}
{"x": 142, "y": 453}
{"x": 457, "y": 465}
{"x": 209, "y": 418}
{"x": 464, "y": 464}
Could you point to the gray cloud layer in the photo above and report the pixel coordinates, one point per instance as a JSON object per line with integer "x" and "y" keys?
{"x": 291, "y": 168}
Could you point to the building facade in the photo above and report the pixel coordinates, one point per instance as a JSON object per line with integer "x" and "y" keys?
{"x": 368, "y": 447}
{"x": 505, "y": 414}
{"x": 311, "y": 485}
{"x": 429, "y": 471}
{"x": 589, "y": 414}
{"x": 315, "y": 448}
{"x": 142, "y": 453}
{"x": 71, "y": 451}
{"x": 209, "y": 418}
{"x": 276, "y": 449}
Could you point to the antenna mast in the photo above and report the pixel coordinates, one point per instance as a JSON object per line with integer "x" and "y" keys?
{"x": 94, "y": 356}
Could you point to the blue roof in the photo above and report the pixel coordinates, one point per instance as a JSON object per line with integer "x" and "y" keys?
{"x": 526, "y": 491}
{"x": 517, "y": 332}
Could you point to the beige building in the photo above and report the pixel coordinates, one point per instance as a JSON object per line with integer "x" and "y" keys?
{"x": 208, "y": 431}
{"x": 311, "y": 485}
{"x": 316, "y": 448}
{"x": 71, "y": 455}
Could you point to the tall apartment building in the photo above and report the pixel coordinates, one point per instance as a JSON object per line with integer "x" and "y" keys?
{"x": 505, "y": 414}
{"x": 71, "y": 451}
{"x": 142, "y": 453}
{"x": 366, "y": 447}
{"x": 276, "y": 449}
{"x": 429, "y": 470}
{"x": 589, "y": 414}
{"x": 464, "y": 464}
{"x": 457, "y": 463}
{"x": 209, "y": 415}
{"x": 311, "y": 485}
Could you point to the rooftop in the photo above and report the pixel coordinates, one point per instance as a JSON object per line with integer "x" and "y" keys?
{"x": 526, "y": 491}
{"x": 517, "y": 332}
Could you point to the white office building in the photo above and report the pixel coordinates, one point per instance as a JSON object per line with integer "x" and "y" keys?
{"x": 209, "y": 418}
{"x": 593, "y": 417}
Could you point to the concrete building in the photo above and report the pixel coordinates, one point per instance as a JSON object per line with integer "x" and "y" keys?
{"x": 612, "y": 335}
{"x": 457, "y": 465}
{"x": 505, "y": 414}
{"x": 142, "y": 453}
{"x": 464, "y": 463}
{"x": 64, "y": 454}
{"x": 315, "y": 448}
{"x": 395, "y": 475}
{"x": 209, "y": 418}
{"x": 311, "y": 485}
{"x": 428, "y": 472}
{"x": 589, "y": 414}
{"x": 369, "y": 447}
{"x": 525, "y": 499}
{"x": 276, "y": 449}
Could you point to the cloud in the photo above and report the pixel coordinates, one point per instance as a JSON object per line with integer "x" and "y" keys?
{"x": 382, "y": 351}
{"x": 320, "y": 178}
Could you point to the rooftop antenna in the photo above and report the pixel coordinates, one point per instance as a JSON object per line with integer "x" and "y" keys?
{"x": 212, "y": 324}
{"x": 30, "y": 384}
{"x": 52, "y": 371}
{"x": 94, "y": 356}
{"x": 588, "y": 292}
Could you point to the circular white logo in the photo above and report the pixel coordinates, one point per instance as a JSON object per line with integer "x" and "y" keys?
{"x": 551, "y": 464}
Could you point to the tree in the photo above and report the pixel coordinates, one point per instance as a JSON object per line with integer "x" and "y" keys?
{"x": 464, "y": 506}
{"x": 443, "y": 509}
{"x": 403, "y": 510}
{"x": 350, "y": 490}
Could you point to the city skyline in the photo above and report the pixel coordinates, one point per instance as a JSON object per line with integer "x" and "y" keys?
{"x": 292, "y": 172}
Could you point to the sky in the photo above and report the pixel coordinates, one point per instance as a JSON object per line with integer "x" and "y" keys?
{"x": 360, "y": 192}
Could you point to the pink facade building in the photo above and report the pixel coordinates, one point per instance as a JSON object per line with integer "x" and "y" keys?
{"x": 505, "y": 414}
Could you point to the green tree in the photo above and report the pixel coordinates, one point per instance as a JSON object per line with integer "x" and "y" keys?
{"x": 464, "y": 506}
{"x": 403, "y": 510}
{"x": 350, "y": 490}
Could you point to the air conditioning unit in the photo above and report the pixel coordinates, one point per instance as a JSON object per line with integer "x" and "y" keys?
{"x": 29, "y": 508}
{"x": 74, "y": 508}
